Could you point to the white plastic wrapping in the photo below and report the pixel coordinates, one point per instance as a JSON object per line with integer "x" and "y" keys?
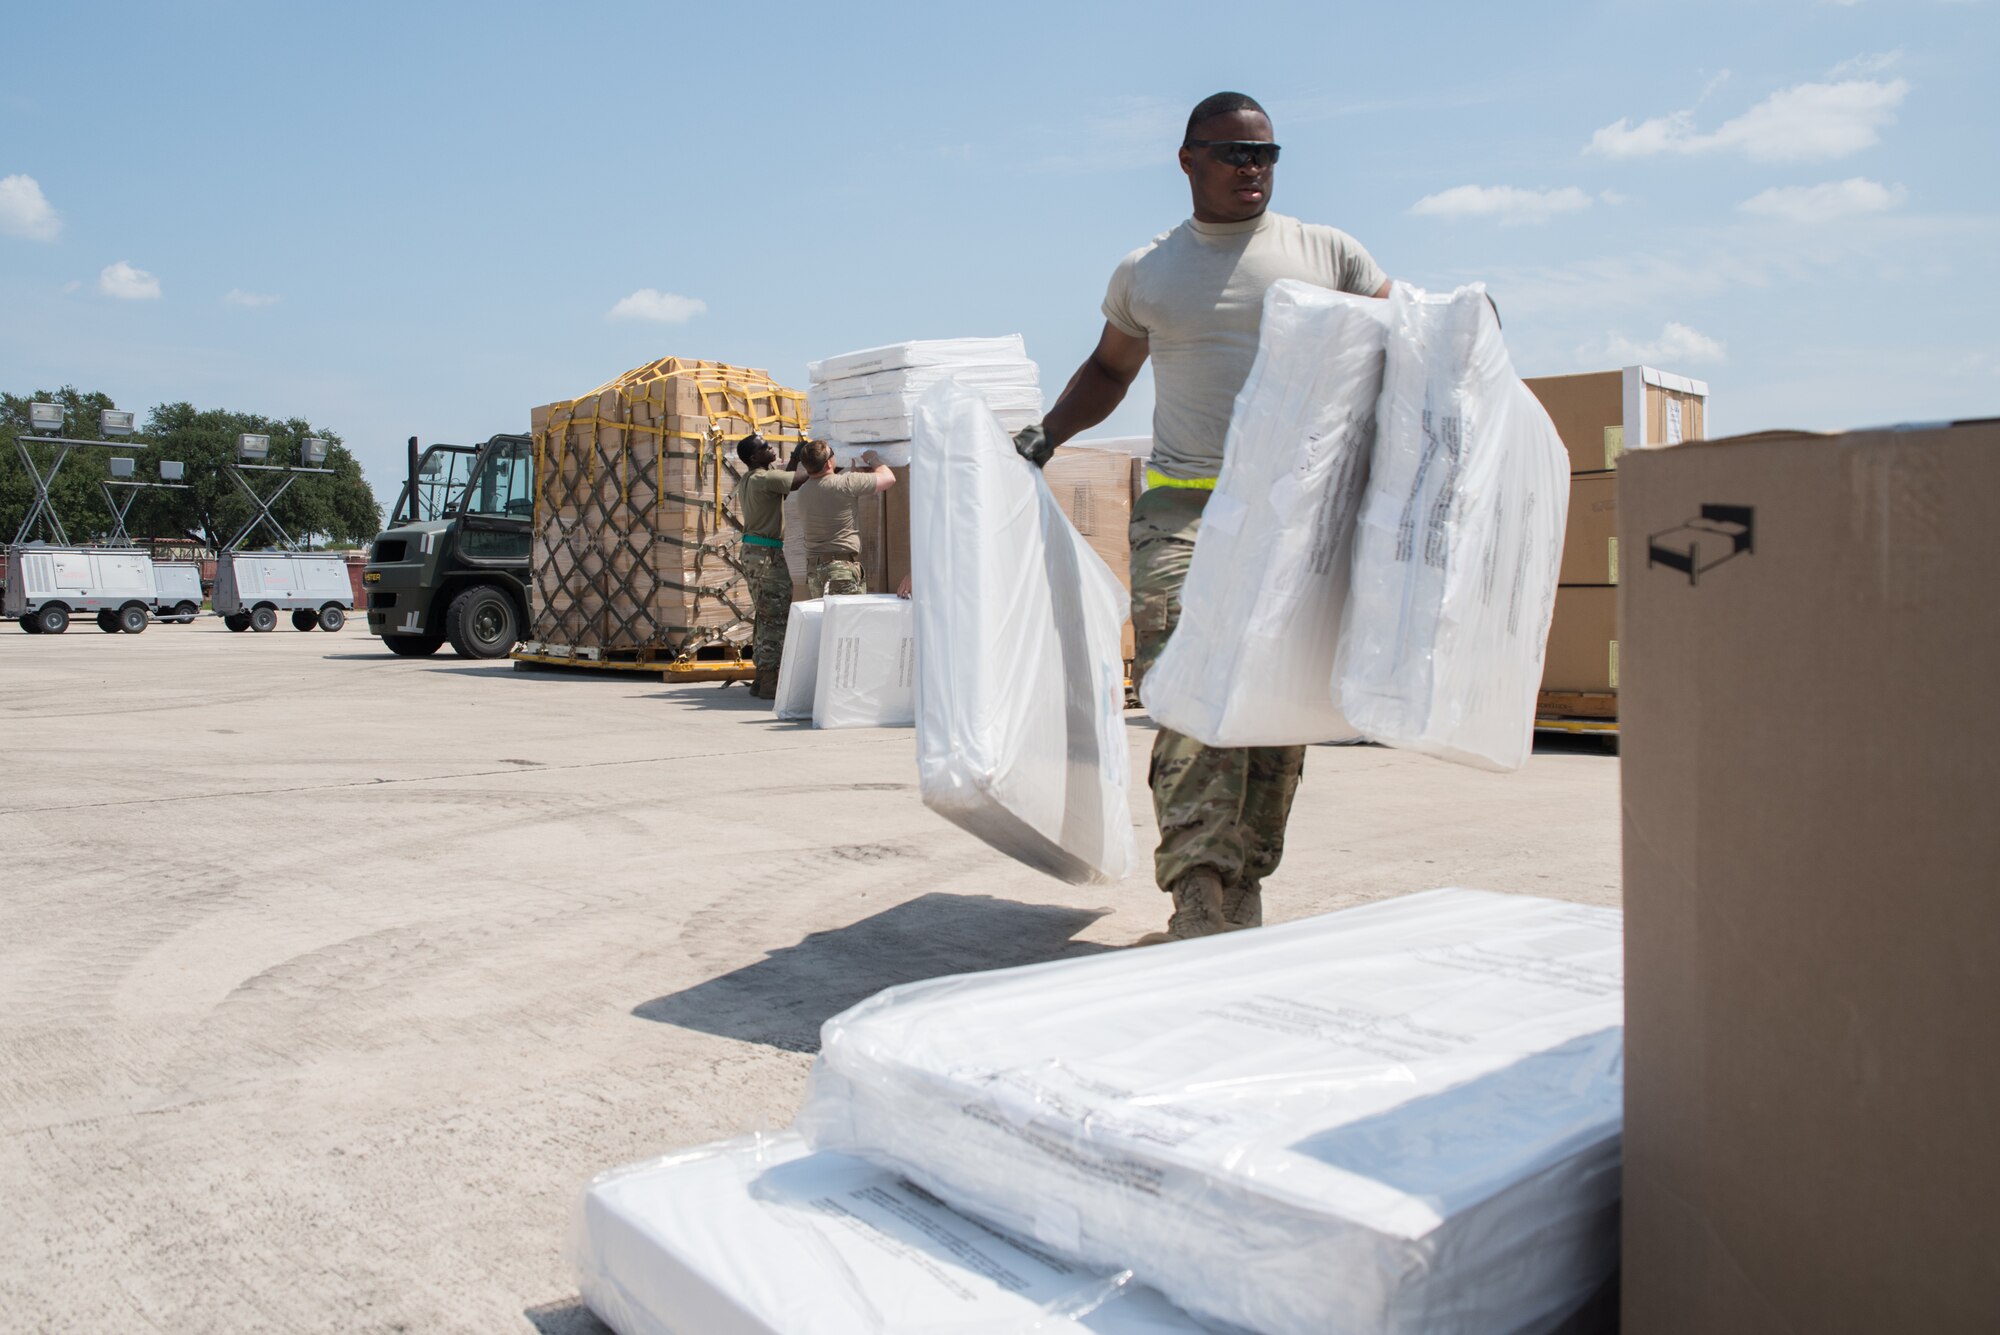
{"x": 867, "y": 663}
{"x": 1251, "y": 659}
{"x": 1400, "y": 1119}
{"x": 759, "y": 1237}
{"x": 914, "y": 380}
{"x": 951, "y": 352}
{"x": 798, "y": 667}
{"x": 1458, "y": 544}
{"x": 1020, "y": 684}
{"x": 827, "y": 411}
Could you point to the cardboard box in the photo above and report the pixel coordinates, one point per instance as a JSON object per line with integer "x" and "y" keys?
{"x": 1811, "y": 741}
{"x": 1602, "y": 414}
{"x": 1583, "y": 640}
{"x": 1590, "y": 543}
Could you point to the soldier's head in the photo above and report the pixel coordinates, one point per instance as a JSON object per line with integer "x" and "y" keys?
{"x": 756, "y": 452}
{"x": 1229, "y": 157}
{"x": 817, "y": 456}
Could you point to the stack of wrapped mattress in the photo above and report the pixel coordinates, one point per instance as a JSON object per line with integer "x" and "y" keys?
{"x": 867, "y": 400}
{"x": 762, "y": 1237}
{"x": 1399, "y": 1118}
{"x": 865, "y": 668}
{"x": 798, "y": 668}
{"x": 1020, "y": 680}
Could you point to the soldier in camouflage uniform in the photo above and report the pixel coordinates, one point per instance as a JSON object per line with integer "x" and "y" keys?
{"x": 830, "y": 511}
{"x": 1192, "y": 301}
{"x": 760, "y": 497}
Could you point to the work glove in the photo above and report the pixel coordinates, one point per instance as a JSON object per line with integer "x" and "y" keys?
{"x": 1033, "y": 444}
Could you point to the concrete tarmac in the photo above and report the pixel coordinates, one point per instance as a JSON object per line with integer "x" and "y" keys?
{"x": 328, "y": 978}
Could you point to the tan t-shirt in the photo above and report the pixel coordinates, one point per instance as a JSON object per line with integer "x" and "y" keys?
{"x": 830, "y": 507}
{"x": 1197, "y": 293}
{"x": 761, "y": 496}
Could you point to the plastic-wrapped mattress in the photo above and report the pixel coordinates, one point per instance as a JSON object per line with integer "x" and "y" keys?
{"x": 951, "y": 352}
{"x": 1020, "y": 684}
{"x": 798, "y": 666}
{"x": 866, "y": 676}
{"x": 1251, "y": 660}
{"x": 1458, "y": 544}
{"x": 1397, "y": 1118}
{"x": 759, "y": 1237}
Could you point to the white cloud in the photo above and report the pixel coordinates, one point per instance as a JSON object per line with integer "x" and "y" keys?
{"x": 1677, "y": 346}
{"x": 660, "y": 307}
{"x": 1509, "y": 204}
{"x": 72, "y": 285}
{"x": 1808, "y": 122}
{"x": 236, "y": 296}
{"x": 123, "y": 281}
{"x": 25, "y": 211}
{"x": 1823, "y": 203}
{"x": 1867, "y": 63}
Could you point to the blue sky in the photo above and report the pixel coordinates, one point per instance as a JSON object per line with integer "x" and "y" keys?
{"x": 420, "y": 219}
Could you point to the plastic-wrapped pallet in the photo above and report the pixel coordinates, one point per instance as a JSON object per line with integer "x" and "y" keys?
{"x": 867, "y": 663}
{"x": 1458, "y": 544}
{"x": 1250, "y": 661}
{"x": 798, "y": 669}
{"x": 865, "y": 401}
{"x": 760, "y": 1237}
{"x": 1020, "y": 688}
{"x": 948, "y": 353}
{"x": 1400, "y": 1119}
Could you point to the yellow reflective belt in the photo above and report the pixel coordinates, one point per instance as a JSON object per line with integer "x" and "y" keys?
{"x": 1155, "y": 478}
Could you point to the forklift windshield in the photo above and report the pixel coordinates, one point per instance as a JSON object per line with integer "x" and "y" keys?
{"x": 441, "y": 475}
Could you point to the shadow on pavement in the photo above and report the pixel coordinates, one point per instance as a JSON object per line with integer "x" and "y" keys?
{"x": 567, "y": 1317}
{"x": 782, "y": 999}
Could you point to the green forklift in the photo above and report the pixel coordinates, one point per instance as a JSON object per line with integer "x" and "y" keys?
{"x": 453, "y": 563}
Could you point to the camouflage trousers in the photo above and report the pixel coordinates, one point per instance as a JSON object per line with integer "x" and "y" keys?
{"x": 1223, "y": 808}
{"x": 771, "y": 603}
{"x": 835, "y": 575}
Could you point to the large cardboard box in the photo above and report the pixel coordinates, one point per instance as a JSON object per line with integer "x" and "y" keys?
{"x": 1602, "y": 414}
{"x": 1583, "y": 640}
{"x": 1811, "y": 738}
{"x": 1590, "y": 542}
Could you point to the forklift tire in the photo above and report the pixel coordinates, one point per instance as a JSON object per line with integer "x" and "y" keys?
{"x": 237, "y": 621}
{"x": 412, "y": 646}
{"x": 52, "y": 618}
{"x": 304, "y": 618}
{"x": 332, "y": 618}
{"x": 132, "y": 619}
{"x": 482, "y": 623}
{"x": 107, "y": 621}
{"x": 263, "y": 620}
{"x": 185, "y": 613}
{"x": 30, "y": 626}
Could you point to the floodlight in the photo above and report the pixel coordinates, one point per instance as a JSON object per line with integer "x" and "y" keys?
{"x": 122, "y": 467}
{"x": 45, "y": 416}
{"x": 172, "y": 470}
{"x": 252, "y": 449}
{"x": 113, "y": 422}
{"x": 312, "y": 451}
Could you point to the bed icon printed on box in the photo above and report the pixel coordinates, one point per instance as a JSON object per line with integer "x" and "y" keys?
{"x": 1719, "y": 533}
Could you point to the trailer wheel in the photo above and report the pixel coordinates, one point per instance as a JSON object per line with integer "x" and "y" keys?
{"x": 132, "y": 619}
{"x": 107, "y": 621}
{"x": 185, "y": 613}
{"x": 53, "y": 618}
{"x": 482, "y": 623}
{"x": 304, "y": 618}
{"x": 332, "y": 617}
{"x": 31, "y": 626}
{"x": 237, "y": 621}
{"x": 412, "y": 646}
{"x": 263, "y": 620}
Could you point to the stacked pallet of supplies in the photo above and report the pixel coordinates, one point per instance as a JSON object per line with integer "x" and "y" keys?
{"x": 865, "y": 400}
{"x": 1601, "y": 415}
{"x": 635, "y": 548}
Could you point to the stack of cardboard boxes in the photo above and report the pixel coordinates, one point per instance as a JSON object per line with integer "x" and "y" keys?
{"x": 1601, "y": 415}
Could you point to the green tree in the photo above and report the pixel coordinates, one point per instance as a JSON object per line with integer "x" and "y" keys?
{"x": 79, "y": 501}
{"x": 337, "y": 507}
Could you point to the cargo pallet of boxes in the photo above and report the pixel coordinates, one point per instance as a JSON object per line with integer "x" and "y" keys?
{"x": 1601, "y": 415}
{"x": 636, "y": 554}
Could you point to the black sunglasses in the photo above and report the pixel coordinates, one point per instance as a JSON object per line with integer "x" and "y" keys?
{"x": 1237, "y": 152}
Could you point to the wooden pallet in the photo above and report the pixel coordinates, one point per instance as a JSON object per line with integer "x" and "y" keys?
{"x": 1577, "y": 704}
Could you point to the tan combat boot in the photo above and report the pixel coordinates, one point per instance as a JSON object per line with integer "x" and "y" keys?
{"x": 1198, "y": 910}
{"x": 1243, "y": 905}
